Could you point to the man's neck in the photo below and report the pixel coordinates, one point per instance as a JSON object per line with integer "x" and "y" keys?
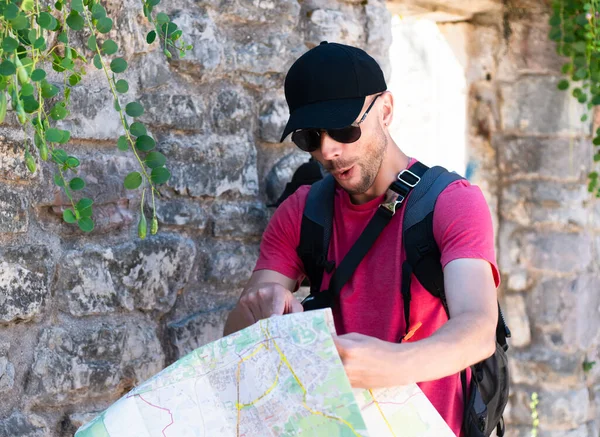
{"x": 393, "y": 163}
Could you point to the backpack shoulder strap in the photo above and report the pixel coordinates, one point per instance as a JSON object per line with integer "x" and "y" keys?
{"x": 422, "y": 252}
{"x": 315, "y": 231}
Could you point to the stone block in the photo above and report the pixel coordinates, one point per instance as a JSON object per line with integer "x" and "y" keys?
{"x": 482, "y": 47}
{"x": 570, "y": 307}
{"x": 563, "y": 252}
{"x": 343, "y": 27}
{"x": 266, "y": 52}
{"x": 529, "y": 50}
{"x": 379, "y": 34}
{"x": 281, "y": 173}
{"x": 93, "y": 361}
{"x": 182, "y": 212}
{"x": 517, "y": 319}
{"x": 205, "y": 59}
{"x": 7, "y": 369}
{"x": 21, "y": 425}
{"x": 523, "y": 99}
{"x": 211, "y": 165}
{"x": 557, "y": 158}
{"x": 24, "y": 278}
{"x": 173, "y": 110}
{"x": 232, "y": 262}
{"x": 12, "y": 156}
{"x": 144, "y": 275}
{"x": 271, "y": 13}
{"x": 273, "y": 117}
{"x": 231, "y": 111}
{"x": 546, "y": 203}
{"x": 544, "y": 368}
{"x": 197, "y": 330}
{"x": 239, "y": 219}
{"x": 14, "y": 217}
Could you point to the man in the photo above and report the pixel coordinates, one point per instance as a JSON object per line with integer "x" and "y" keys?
{"x": 340, "y": 112}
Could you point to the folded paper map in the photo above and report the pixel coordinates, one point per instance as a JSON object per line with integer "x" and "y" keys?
{"x": 279, "y": 377}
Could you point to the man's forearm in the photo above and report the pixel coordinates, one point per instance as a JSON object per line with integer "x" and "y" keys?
{"x": 458, "y": 344}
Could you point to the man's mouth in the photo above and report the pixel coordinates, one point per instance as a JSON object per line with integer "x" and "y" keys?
{"x": 344, "y": 173}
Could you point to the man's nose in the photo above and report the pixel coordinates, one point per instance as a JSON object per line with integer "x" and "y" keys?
{"x": 330, "y": 149}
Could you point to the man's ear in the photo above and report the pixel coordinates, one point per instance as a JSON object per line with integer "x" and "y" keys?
{"x": 387, "y": 109}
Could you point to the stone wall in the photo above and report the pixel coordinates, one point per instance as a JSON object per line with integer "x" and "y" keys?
{"x": 534, "y": 154}
{"x": 83, "y": 318}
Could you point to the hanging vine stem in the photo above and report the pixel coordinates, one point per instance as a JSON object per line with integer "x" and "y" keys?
{"x": 574, "y": 28}
{"x": 23, "y": 54}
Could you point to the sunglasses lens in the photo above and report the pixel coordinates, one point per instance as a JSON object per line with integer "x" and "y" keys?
{"x": 307, "y": 140}
{"x": 346, "y": 135}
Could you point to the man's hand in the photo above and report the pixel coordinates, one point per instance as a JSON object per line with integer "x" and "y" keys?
{"x": 266, "y": 294}
{"x": 368, "y": 361}
{"x": 269, "y": 299}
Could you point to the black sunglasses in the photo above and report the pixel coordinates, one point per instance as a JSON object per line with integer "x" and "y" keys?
{"x": 309, "y": 140}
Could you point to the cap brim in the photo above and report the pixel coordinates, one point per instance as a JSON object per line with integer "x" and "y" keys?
{"x": 330, "y": 114}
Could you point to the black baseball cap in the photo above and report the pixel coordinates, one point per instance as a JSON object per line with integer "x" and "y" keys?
{"x": 326, "y": 87}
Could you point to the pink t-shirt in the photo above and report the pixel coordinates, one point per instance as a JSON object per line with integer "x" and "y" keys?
{"x": 371, "y": 301}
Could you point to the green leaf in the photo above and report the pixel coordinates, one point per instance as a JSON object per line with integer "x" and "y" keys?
{"x": 169, "y": 28}
{"x": 77, "y": 184}
{"x": 151, "y": 37}
{"x": 7, "y": 68}
{"x": 579, "y": 46}
{"x": 116, "y": 105}
{"x": 11, "y": 11}
{"x": 122, "y": 143}
{"x": 20, "y": 23}
{"x": 9, "y": 44}
{"x": 30, "y": 105}
{"x": 26, "y": 90}
{"x": 58, "y": 180}
{"x": 584, "y": 117}
{"x": 97, "y": 62}
{"x": 38, "y": 74}
{"x": 86, "y": 224}
{"x": 40, "y": 44}
{"x": 48, "y": 90}
{"x": 92, "y": 44}
{"x": 59, "y": 111}
{"x": 162, "y": 18}
{"x": 137, "y": 129}
{"x": 597, "y": 157}
{"x": 84, "y": 207}
{"x": 134, "y": 109}
{"x": 77, "y": 5}
{"x": 109, "y": 47}
{"x": 72, "y": 162}
{"x": 74, "y": 79}
{"x": 104, "y": 25}
{"x": 68, "y": 216}
{"x": 66, "y": 136}
{"x": 145, "y": 143}
{"x": 67, "y": 63}
{"x": 155, "y": 159}
{"x": 63, "y": 37}
{"x": 53, "y": 135}
{"x": 581, "y": 73}
{"x": 133, "y": 180}
{"x": 75, "y": 21}
{"x": 45, "y": 20}
{"x": 118, "y": 65}
{"x": 98, "y": 11}
{"x": 563, "y": 85}
{"x": 122, "y": 86}
{"x": 153, "y": 2}
{"x": 160, "y": 175}
{"x": 59, "y": 156}
{"x": 596, "y": 141}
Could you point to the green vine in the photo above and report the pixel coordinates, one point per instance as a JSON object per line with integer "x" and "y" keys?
{"x": 25, "y": 28}
{"x": 535, "y": 420}
{"x": 575, "y": 27}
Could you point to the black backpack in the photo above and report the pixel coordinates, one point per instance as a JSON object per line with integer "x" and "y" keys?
{"x": 485, "y": 403}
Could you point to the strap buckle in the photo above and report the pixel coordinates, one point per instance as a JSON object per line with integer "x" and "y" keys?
{"x": 392, "y": 203}
{"x": 412, "y": 179}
